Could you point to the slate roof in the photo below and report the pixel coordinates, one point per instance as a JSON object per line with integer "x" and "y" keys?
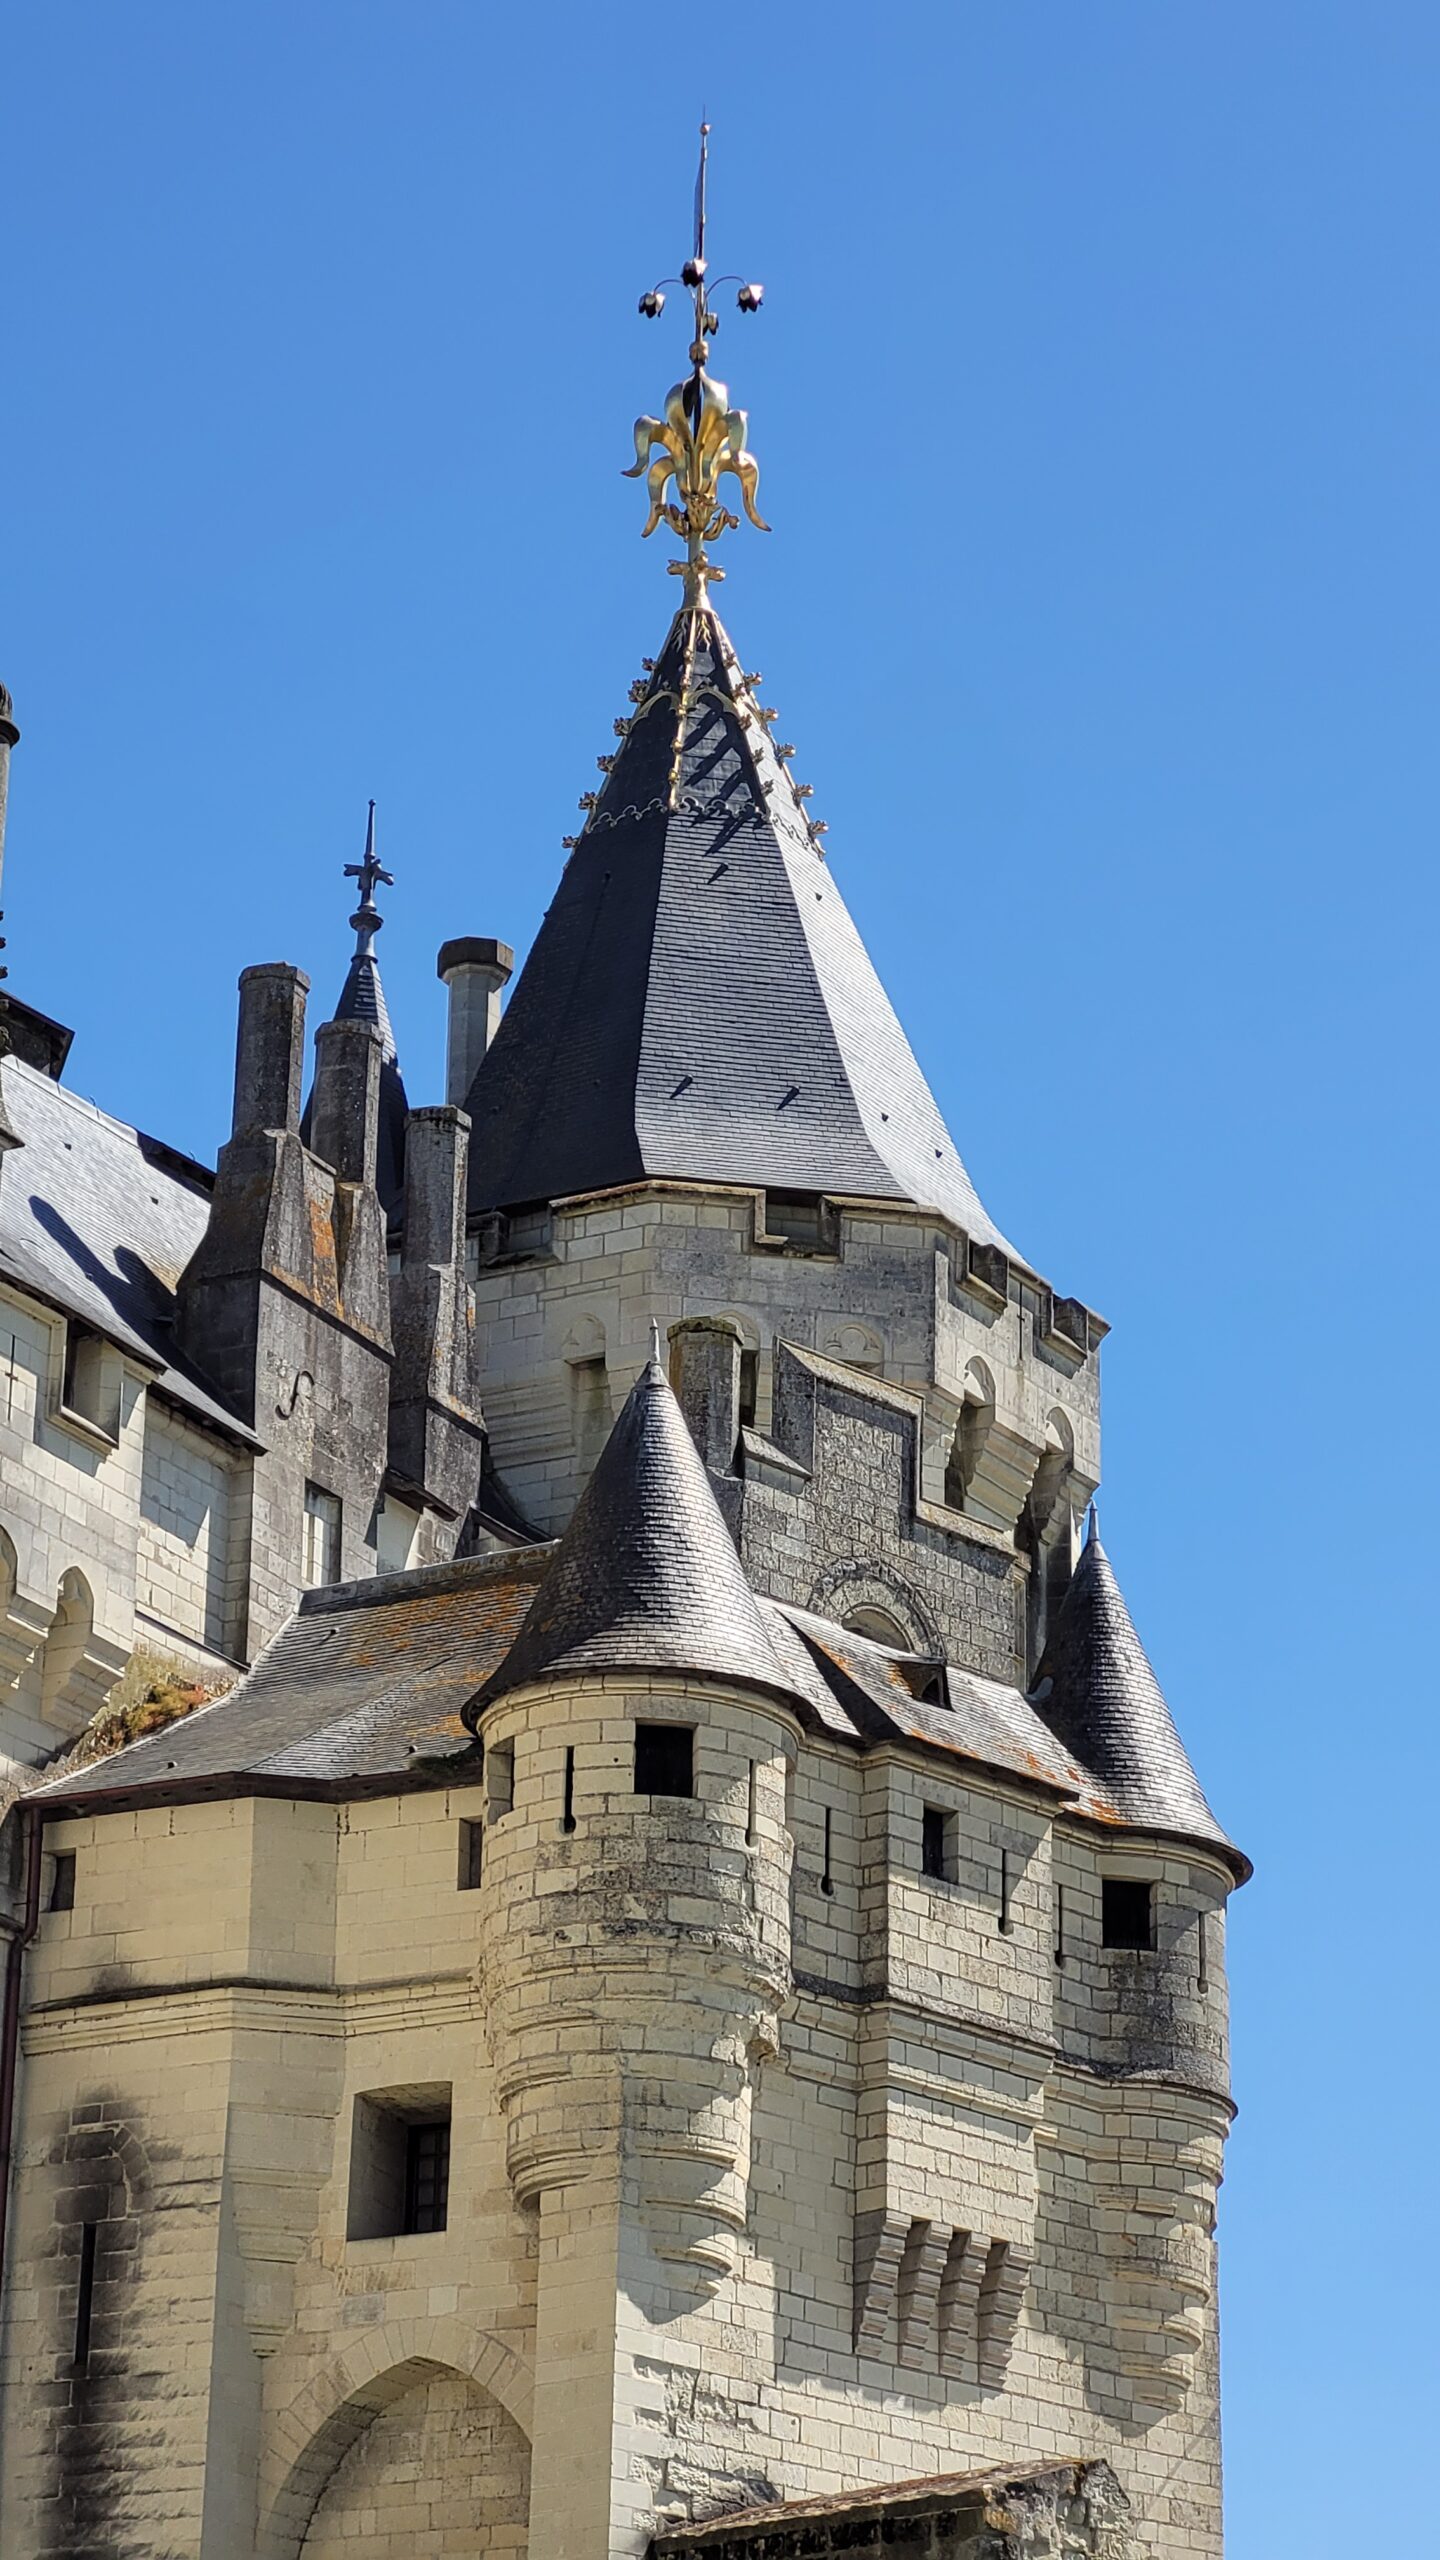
{"x": 99, "y": 1221}
{"x": 362, "y": 999}
{"x": 697, "y": 1002}
{"x": 1098, "y": 1694}
{"x": 364, "y": 1683}
{"x": 379, "y": 1684}
{"x": 646, "y": 1576}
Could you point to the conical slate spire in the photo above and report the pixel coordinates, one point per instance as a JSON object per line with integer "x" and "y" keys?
{"x": 646, "y": 1577}
{"x": 698, "y": 1003}
{"x": 1097, "y": 1692}
{"x": 362, "y": 999}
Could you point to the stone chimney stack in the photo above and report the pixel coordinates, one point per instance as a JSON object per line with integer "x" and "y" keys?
{"x": 705, "y": 1374}
{"x": 345, "y": 1107}
{"x": 436, "y": 1431}
{"x": 269, "y": 1048}
{"x": 473, "y": 970}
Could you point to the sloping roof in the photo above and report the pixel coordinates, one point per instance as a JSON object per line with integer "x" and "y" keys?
{"x": 364, "y": 1681}
{"x": 697, "y": 1002}
{"x": 1098, "y": 1694}
{"x": 646, "y": 1576}
{"x": 100, "y": 1221}
{"x": 362, "y": 999}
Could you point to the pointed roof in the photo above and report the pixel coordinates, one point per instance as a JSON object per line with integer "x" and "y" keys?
{"x": 1097, "y": 1692}
{"x": 697, "y": 1002}
{"x": 362, "y": 999}
{"x": 646, "y": 1577}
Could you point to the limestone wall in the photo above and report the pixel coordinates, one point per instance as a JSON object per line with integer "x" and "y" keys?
{"x": 954, "y": 2233}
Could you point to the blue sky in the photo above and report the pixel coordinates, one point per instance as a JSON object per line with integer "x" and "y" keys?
{"x": 1097, "y": 397}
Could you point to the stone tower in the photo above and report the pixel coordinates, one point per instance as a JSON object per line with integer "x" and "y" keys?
{"x": 700, "y": 2030}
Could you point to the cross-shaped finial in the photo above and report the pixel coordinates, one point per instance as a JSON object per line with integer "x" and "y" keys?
{"x": 367, "y": 919}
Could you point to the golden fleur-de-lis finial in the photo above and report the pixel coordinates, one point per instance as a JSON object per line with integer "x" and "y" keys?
{"x": 685, "y": 454}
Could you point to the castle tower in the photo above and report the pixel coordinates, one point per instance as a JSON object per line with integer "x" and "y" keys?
{"x": 704, "y": 2034}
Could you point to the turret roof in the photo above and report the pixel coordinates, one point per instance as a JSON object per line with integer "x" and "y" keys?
{"x": 1097, "y": 1692}
{"x": 646, "y": 1577}
{"x": 697, "y": 1002}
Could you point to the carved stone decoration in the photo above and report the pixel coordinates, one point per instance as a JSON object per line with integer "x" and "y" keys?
{"x": 947, "y": 2301}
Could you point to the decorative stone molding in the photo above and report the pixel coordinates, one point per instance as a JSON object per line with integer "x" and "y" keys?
{"x": 948, "y": 2299}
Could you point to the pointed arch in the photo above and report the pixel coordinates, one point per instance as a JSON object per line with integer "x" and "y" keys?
{"x": 316, "y": 2426}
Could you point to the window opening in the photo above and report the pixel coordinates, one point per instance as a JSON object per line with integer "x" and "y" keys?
{"x": 1060, "y": 1924}
{"x": 1006, "y": 1923}
{"x": 62, "y": 1881}
{"x": 749, "y": 1386}
{"x": 827, "y": 1880}
{"x": 750, "y": 1809}
{"x": 399, "y": 2162}
{"x": 320, "y": 1561}
{"x": 1202, "y": 1952}
{"x": 567, "y": 1817}
{"x": 82, "y": 1385}
{"x": 85, "y": 2297}
{"x": 427, "y": 2176}
{"x": 935, "y": 1842}
{"x": 499, "y": 1780}
{"x": 472, "y": 1838}
{"x": 664, "y": 1760}
{"x": 1127, "y": 1913}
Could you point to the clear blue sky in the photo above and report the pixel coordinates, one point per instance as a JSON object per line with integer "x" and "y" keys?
{"x": 1097, "y": 395}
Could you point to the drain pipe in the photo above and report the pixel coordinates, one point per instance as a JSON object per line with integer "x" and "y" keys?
{"x": 20, "y": 1934}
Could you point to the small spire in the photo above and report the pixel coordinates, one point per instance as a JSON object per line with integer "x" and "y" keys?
{"x": 654, "y": 1342}
{"x": 1092, "y": 1526}
{"x": 367, "y": 919}
{"x": 701, "y": 436}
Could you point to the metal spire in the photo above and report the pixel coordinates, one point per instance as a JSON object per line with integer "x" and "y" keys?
{"x": 701, "y": 436}
{"x": 367, "y": 919}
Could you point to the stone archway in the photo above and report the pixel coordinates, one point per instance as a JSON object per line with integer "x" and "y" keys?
{"x": 384, "y": 2448}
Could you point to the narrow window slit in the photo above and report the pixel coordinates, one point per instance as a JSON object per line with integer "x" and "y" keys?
{"x": 750, "y": 1809}
{"x": 1202, "y": 1952}
{"x": 567, "y": 1818}
{"x": 1060, "y": 1924}
{"x": 85, "y": 2297}
{"x": 1006, "y": 1923}
{"x": 827, "y": 1880}
{"x": 472, "y": 1850}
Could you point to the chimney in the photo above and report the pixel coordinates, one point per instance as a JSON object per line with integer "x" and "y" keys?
{"x": 436, "y": 1147}
{"x": 705, "y": 1373}
{"x": 270, "y": 1047}
{"x": 345, "y": 1105}
{"x": 473, "y": 969}
{"x": 436, "y": 1432}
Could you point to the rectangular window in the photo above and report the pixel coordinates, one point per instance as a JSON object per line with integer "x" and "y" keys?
{"x": 937, "y": 1843}
{"x": 320, "y": 1561}
{"x": 427, "y": 2175}
{"x": 399, "y": 2163}
{"x": 499, "y": 1780}
{"x": 749, "y": 1386}
{"x": 567, "y": 1807}
{"x": 1127, "y": 1913}
{"x": 664, "y": 1760}
{"x": 62, "y": 1881}
{"x": 472, "y": 1835}
{"x": 88, "y": 1387}
{"x": 827, "y": 1875}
